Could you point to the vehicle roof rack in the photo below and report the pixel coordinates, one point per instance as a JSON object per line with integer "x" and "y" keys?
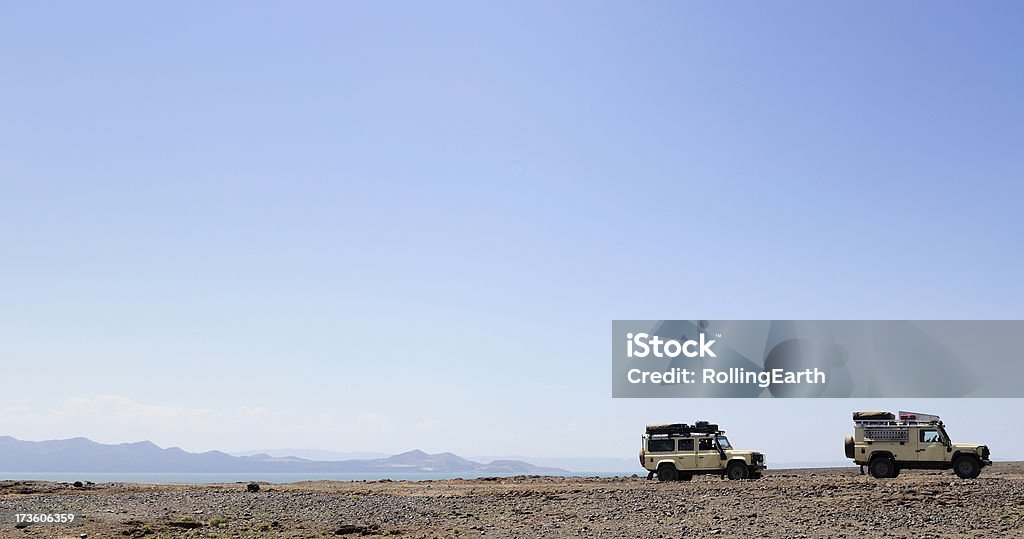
{"x": 683, "y": 429}
{"x": 886, "y": 419}
{"x": 895, "y": 423}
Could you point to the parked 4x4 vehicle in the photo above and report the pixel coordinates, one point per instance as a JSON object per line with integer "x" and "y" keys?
{"x": 887, "y": 444}
{"x": 681, "y": 451}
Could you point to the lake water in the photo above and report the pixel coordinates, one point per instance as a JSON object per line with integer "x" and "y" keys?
{"x": 198, "y": 478}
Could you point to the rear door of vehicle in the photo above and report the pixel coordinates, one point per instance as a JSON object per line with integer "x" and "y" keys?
{"x": 686, "y": 454}
{"x": 708, "y": 457}
{"x": 659, "y": 449}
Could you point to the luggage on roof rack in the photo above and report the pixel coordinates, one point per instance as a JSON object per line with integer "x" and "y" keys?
{"x": 667, "y": 428}
{"x": 683, "y": 429}
{"x": 873, "y": 415}
{"x": 705, "y": 427}
{"x": 917, "y": 416}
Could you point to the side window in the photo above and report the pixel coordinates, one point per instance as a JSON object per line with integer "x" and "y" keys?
{"x": 686, "y": 444}
{"x": 706, "y": 444}
{"x": 661, "y": 446}
{"x": 929, "y": 435}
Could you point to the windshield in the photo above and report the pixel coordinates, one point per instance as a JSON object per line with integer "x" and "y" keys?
{"x": 945, "y": 437}
{"x": 723, "y": 442}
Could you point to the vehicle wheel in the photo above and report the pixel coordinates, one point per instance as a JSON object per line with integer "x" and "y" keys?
{"x": 848, "y": 446}
{"x": 737, "y": 470}
{"x": 966, "y": 467}
{"x": 895, "y": 471}
{"x": 882, "y": 467}
{"x": 755, "y": 475}
{"x": 667, "y": 472}
{"x": 686, "y": 477}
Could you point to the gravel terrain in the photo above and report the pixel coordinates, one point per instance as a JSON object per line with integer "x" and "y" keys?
{"x": 832, "y": 503}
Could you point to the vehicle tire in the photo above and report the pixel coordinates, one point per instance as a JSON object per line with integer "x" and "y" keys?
{"x": 686, "y": 477}
{"x": 755, "y": 475}
{"x": 848, "y": 446}
{"x": 667, "y": 472}
{"x": 882, "y": 467}
{"x": 966, "y": 467}
{"x": 895, "y": 472}
{"x": 737, "y": 470}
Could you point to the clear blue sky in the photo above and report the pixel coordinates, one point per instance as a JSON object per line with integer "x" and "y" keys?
{"x": 380, "y": 226}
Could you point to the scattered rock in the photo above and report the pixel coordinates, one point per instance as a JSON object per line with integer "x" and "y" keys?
{"x": 353, "y": 529}
{"x": 788, "y": 505}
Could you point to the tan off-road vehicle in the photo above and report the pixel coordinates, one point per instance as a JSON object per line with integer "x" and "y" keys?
{"x": 887, "y": 444}
{"x": 681, "y": 451}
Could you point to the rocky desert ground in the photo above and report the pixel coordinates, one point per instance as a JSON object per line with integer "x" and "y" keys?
{"x": 833, "y": 503}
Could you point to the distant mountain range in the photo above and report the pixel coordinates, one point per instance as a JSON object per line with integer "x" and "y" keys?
{"x": 597, "y": 465}
{"x": 85, "y": 455}
{"x": 316, "y": 454}
{"x": 602, "y": 465}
